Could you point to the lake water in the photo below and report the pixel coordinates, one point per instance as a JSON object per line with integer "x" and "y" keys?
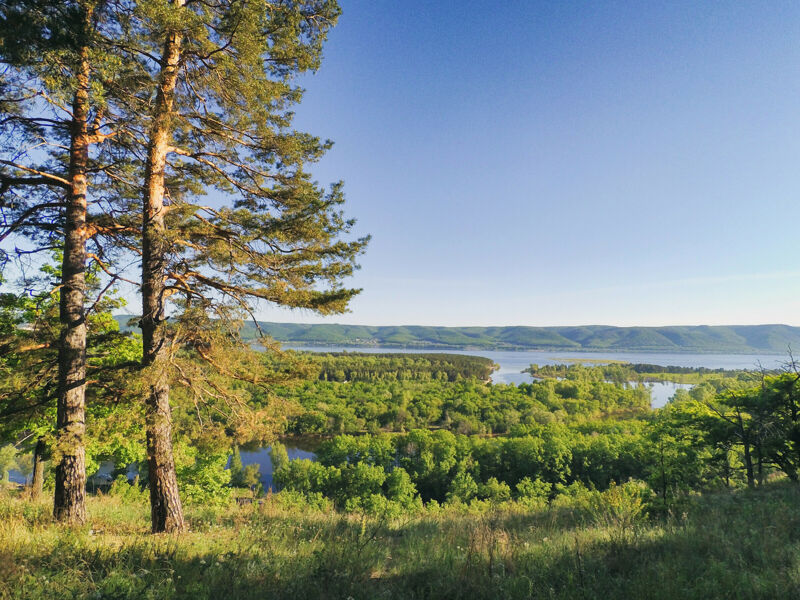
{"x": 662, "y": 392}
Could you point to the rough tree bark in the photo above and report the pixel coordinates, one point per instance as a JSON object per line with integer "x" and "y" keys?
{"x": 70, "y": 473}
{"x": 165, "y": 504}
{"x": 37, "y": 483}
{"x": 760, "y": 463}
{"x": 748, "y": 457}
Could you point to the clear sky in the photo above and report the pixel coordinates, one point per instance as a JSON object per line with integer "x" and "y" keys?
{"x": 558, "y": 163}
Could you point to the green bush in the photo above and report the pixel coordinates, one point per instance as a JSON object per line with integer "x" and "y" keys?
{"x": 202, "y": 476}
{"x": 494, "y": 491}
{"x": 128, "y": 491}
{"x": 533, "y": 493}
{"x": 620, "y": 509}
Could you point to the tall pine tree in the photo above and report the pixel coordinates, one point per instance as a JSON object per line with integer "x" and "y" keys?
{"x": 46, "y": 94}
{"x": 60, "y": 182}
{"x": 230, "y": 216}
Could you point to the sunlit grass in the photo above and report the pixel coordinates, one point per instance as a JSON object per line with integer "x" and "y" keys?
{"x": 743, "y": 545}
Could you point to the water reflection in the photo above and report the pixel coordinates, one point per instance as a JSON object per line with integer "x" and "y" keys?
{"x": 296, "y": 449}
{"x": 662, "y": 392}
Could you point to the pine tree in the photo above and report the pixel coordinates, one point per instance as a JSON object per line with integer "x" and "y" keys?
{"x": 47, "y": 46}
{"x": 186, "y": 105}
{"x": 56, "y": 189}
{"x": 219, "y": 121}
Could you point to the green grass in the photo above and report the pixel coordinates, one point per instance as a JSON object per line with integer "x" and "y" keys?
{"x": 742, "y": 545}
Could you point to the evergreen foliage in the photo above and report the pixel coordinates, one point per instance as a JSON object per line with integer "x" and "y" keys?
{"x": 121, "y": 118}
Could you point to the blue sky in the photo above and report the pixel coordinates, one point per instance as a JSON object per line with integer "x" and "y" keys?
{"x": 556, "y": 163}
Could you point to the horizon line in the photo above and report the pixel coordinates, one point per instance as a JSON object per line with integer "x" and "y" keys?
{"x": 499, "y": 326}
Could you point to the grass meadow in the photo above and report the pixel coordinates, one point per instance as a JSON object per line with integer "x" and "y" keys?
{"x": 732, "y": 545}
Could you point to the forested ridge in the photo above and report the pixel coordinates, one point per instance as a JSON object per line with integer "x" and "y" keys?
{"x": 769, "y": 339}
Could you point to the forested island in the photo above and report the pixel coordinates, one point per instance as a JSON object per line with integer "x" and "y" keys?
{"x": 768, "y": 339}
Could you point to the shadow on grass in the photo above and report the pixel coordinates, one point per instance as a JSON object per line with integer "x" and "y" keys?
{"x": 743, "y": 545}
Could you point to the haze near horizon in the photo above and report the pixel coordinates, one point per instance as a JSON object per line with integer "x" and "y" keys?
{"x": 536, "y": 163}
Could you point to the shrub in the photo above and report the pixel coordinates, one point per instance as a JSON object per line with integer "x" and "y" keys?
{"x": 202, "y": 476}
{"x": 494, "y": 491}
{"x": 533, "y": 493}
{"x": 620, "y": 509}
{"x": 127, "y": 490}
{"x": 462, "y": 489}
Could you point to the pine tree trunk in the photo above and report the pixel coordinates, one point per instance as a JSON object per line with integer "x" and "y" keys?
{"x": 165, "y": 503}
{"x": 38, "y": 470}
{"x": 70, "y": 493}
{"x": 760, "y": 463}
{"x": 748, "y": 462}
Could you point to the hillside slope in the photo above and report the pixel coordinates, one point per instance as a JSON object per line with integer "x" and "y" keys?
{"x": 745, "y": 339}
{"x": 743, "y": 545}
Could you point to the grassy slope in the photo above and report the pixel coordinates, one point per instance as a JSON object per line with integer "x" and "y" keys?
{"x": 744, "y": 545}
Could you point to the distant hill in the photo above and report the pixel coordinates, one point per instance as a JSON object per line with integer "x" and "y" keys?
{"x": 739, "y": 339}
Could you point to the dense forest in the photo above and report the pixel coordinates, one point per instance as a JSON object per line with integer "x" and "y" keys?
{"x": 354, "y": 366}
{"x": 619, "y": 372}
{"x": 580, "y": 430}
{"x": 770, "y": 339}
{"x": 464, "y": 407}
{"x": 409, "y": 457}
